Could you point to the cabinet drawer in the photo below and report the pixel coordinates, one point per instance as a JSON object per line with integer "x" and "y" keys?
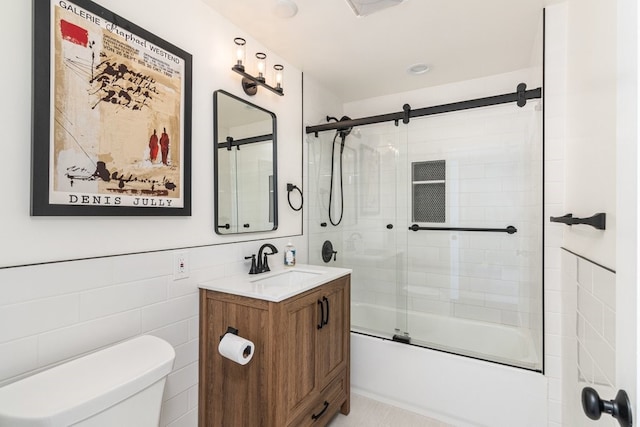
{"x": 325, "y": 406}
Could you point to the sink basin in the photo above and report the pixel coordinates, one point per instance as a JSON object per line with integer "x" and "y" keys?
{"x": 277, "y": 285}
{"x": 287, "y": 278}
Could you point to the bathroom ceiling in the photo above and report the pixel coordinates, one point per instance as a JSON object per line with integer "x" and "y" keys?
{"x": 358, "y": 57}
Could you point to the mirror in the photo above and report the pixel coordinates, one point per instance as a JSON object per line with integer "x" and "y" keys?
{"x": 245, "y": 166}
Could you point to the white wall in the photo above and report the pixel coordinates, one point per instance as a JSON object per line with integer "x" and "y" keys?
{"x": 200, "y": 31}
{"x": 591, "y": 126}
{"x": 55, "y": 305}
{"x": 318, "y": 104}
{"x": 627, "y": 185}
{"x": 593, "y": 313}
{"x": 559, "y": 338}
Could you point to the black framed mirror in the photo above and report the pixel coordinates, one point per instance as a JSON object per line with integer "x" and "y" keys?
{"x": 245, "y": 166}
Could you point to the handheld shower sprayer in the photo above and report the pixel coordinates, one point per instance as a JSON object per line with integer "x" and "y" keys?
{"x": 342, "y": 132}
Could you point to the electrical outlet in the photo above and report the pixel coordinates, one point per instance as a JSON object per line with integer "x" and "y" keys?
{"x": 180, "y": 265}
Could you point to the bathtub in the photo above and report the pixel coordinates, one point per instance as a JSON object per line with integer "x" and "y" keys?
{"x": 459, "y": 390}
{"x": 489, "y": 341}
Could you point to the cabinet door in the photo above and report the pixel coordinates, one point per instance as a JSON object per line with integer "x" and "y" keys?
{"x": 233, "y": 394}
{"x": 296, "y": 335}
{"x": 332, "y": 339}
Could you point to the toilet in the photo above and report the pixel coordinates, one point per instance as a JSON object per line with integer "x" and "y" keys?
{"x": 121, "y": 385}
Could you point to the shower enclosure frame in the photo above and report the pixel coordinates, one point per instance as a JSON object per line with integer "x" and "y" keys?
{"x": 520, "y": 97}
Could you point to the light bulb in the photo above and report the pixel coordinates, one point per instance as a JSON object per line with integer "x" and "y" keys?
{"x": 240, "y": 52}
{"x": 279, "y": 76}
{"x": 261, "y": 65}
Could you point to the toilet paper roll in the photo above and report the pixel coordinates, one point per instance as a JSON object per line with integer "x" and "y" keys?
{"x": 236, "y": 348}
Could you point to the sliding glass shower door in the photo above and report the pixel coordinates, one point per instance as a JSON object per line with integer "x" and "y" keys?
{"x": 468, "y": 280}
{"x": 373, "y": 247}
{"x": 474, "y": 229}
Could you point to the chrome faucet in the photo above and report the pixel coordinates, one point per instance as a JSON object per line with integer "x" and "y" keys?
{"x": 263, "y": 266}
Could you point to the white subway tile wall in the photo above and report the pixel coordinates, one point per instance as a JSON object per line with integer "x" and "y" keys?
{"x": 52, "y": 313}
{"x": 589, "y": 333}
{"x": 596, "y": 300}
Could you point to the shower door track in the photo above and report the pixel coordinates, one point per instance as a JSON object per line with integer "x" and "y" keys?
{"x": 520, "y": 97}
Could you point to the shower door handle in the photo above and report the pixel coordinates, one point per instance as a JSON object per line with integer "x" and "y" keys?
{"x": 509, "y": 229}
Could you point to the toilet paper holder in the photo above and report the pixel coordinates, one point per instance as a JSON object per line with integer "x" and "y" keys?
{"x": 230, "y": 330}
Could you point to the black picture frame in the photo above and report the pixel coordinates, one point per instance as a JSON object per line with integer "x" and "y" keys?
{"x": 135, "y": 97}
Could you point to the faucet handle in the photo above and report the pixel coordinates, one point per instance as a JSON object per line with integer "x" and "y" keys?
{"x": 265, "y": 264}
{"x": 253, "y": 269}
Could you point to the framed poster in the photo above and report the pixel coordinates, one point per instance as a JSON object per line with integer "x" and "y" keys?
{"x": 111, "y": 115}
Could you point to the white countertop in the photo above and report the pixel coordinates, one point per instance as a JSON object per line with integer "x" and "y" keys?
{"x": 278, "y": 284}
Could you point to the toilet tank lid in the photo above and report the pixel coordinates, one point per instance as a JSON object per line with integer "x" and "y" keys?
{"x": 75, "y": 390}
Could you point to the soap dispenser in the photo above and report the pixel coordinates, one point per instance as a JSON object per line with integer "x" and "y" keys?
{"x": 289, "y": 255}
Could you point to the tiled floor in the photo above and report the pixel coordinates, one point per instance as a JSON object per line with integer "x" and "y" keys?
{"x": 371, "y": 413}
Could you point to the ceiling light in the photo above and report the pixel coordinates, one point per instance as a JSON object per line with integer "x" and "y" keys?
{"x": 417, "y": 69}
{"x": 285, "y": 9}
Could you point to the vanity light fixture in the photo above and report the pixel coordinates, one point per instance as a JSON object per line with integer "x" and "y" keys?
{"x": 250, "y": 83}
{"x": 240, "y": 52}
{"x": 261, "y": 63}
{"x": 278, "y": 68}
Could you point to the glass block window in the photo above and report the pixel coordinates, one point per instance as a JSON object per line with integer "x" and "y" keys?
{"x": 428, "y": 191}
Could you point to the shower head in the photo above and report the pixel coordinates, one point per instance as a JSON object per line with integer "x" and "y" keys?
{"x": 343, "y": 132}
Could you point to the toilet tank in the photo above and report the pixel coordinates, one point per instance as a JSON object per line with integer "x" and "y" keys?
{"x": 120, "y": 385}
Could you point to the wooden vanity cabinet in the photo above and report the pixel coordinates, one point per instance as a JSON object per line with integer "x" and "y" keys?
{"x": 299, "y": 374}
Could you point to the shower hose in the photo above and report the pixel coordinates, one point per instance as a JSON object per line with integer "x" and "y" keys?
{"x": 333, "y": 150}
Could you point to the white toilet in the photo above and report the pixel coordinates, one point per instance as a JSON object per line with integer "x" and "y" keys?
{"x": 119, "y": 386}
